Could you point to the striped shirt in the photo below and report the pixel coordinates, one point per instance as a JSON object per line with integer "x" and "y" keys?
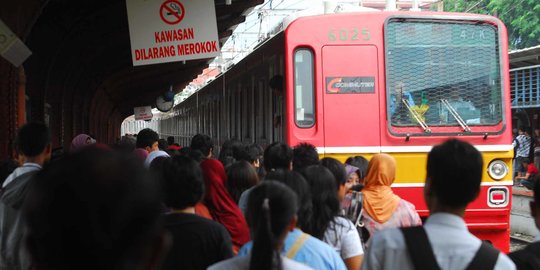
{"x": 524, "y": 145}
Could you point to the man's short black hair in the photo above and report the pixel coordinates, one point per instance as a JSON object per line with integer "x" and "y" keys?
{"x": 229, "y": 152}
{"x": 337, "y": 169}
{"x": 277, "y": 156}
{"x": 162, "y": 144}
{"x": 146, "y": 138}
{"x": 304, "y": 155}
{"x": 455, "y": 172}
{"x": 203, "y": 143}
{"x": 525, "y": 129}
{"x": 181, "y": 182}
{"x": 32, "y": 139}
{"x": 92, "y": 210}
{"x": 170, "y": 140}
{"x": 250, "y": 153}
{"x": 277, "y": 83}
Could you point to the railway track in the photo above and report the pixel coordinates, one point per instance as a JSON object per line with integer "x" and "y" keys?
{"x": 518, "y": 242}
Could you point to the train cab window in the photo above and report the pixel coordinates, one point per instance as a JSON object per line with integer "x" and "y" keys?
{"x": 304, "y": 88}
{"x": 443, "y": 74}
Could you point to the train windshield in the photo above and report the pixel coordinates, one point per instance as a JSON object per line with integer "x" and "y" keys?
{"x": 442, "y": 73}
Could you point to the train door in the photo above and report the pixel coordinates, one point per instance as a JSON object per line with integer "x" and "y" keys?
{"x": 350, "y": 100}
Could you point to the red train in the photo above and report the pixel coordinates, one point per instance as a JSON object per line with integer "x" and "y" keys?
{"x": 371, "y": 82}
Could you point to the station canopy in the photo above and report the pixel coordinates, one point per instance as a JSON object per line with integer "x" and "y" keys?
{"x": 81, "y": 49}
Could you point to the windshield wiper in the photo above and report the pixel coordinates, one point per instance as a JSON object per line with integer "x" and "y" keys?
{"x": 456, "y": 115}
{"x": 416, "y": 116}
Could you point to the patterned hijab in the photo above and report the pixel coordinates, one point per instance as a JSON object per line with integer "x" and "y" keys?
{"x": 80, "y": 141}
{"x": 380, "y": 202}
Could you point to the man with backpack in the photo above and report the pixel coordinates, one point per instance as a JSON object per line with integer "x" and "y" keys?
{"x": 454, "y": 172}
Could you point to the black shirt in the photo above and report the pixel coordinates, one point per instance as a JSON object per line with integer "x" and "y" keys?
{"x": 197, "y": 242}
{"x": 528, "y": 258}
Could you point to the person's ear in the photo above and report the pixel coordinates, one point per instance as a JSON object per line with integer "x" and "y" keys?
{"x": 428, "y": 198}
{"x": 48, "y": 152}
{"x": 48, "y": 149}
{"x": 292, "y": 224}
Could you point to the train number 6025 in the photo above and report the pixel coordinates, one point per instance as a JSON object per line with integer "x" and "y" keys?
{"x": 349, "y": 34}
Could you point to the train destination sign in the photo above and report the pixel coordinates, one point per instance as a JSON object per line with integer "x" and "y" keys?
{"x": 350, "y": 85}
{"x": 163, "y": 31}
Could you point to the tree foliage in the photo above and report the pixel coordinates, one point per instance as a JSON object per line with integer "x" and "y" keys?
{"x": 521, "y": 17}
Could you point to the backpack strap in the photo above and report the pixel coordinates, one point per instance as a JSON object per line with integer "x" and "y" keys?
{"x": 485, "y": 258}
{"x": 298, "y": 243}
{"x": 419, "y": 248}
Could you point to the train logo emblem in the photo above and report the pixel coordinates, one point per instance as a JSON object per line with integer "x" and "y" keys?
{"x": 350, "y": 85}
{"x": 172, "y": 12}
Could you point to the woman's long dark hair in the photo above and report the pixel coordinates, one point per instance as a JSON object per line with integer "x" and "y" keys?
{"x": 271, "y": 207}
{"x": 324, "y": 199}
{"x": 240, "y": 176}
{"x": 299, "y": 185}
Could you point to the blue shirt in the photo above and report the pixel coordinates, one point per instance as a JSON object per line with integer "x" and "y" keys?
{"x": 313, "y": 253}
{"x": 242, "y": 202}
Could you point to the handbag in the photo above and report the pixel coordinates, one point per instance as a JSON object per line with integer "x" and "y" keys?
{"x": 353, "y": 208}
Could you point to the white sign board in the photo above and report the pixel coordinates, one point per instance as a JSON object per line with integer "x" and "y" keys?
{"x": 143, "y": 113}
{"x": 164, "y": 31}
{"x": 11, "y": 47}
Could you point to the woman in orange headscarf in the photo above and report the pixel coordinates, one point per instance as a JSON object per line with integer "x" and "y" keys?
{"x": 382, "y": 208}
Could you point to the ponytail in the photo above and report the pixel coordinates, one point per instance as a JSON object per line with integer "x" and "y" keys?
{"x": 264, "y": 254}
{"x": 271, "y": 207}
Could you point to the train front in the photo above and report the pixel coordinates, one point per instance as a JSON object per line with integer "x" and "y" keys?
{"x": 399, "y": 83}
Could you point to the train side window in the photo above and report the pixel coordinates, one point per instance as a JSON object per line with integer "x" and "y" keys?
{"x": 304, "y": 101}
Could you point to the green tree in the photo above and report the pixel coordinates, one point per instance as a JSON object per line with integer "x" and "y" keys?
{"x": 521, "y": 17}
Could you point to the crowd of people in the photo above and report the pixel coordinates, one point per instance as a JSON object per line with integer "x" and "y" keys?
{"x": 146, "y": 203}
{"x": 526, "y": 156}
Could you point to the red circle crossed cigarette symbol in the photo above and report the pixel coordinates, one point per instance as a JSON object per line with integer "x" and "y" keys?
{"x": 171, "y": 12}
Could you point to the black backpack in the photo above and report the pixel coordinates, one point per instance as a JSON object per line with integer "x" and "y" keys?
{"x": 423, "y": 258}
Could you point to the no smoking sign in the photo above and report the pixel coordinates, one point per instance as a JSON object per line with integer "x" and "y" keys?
{"x": 172, "y": 12}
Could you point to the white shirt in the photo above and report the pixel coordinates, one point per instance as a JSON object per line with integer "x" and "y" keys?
{"x": 25, "y": 168}
{"x": 242, "y": 263}
{"x": 453, "y": 245}
{"x": 344, "y": 238}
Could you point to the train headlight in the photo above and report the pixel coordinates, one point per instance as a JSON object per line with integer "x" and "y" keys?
{"x": 497, "y": 169}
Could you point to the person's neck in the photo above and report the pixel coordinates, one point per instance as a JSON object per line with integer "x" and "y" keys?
{"x": 460, "y": 212}
{"x": 187, "y": 210}
{"x": 39, "y": 159}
